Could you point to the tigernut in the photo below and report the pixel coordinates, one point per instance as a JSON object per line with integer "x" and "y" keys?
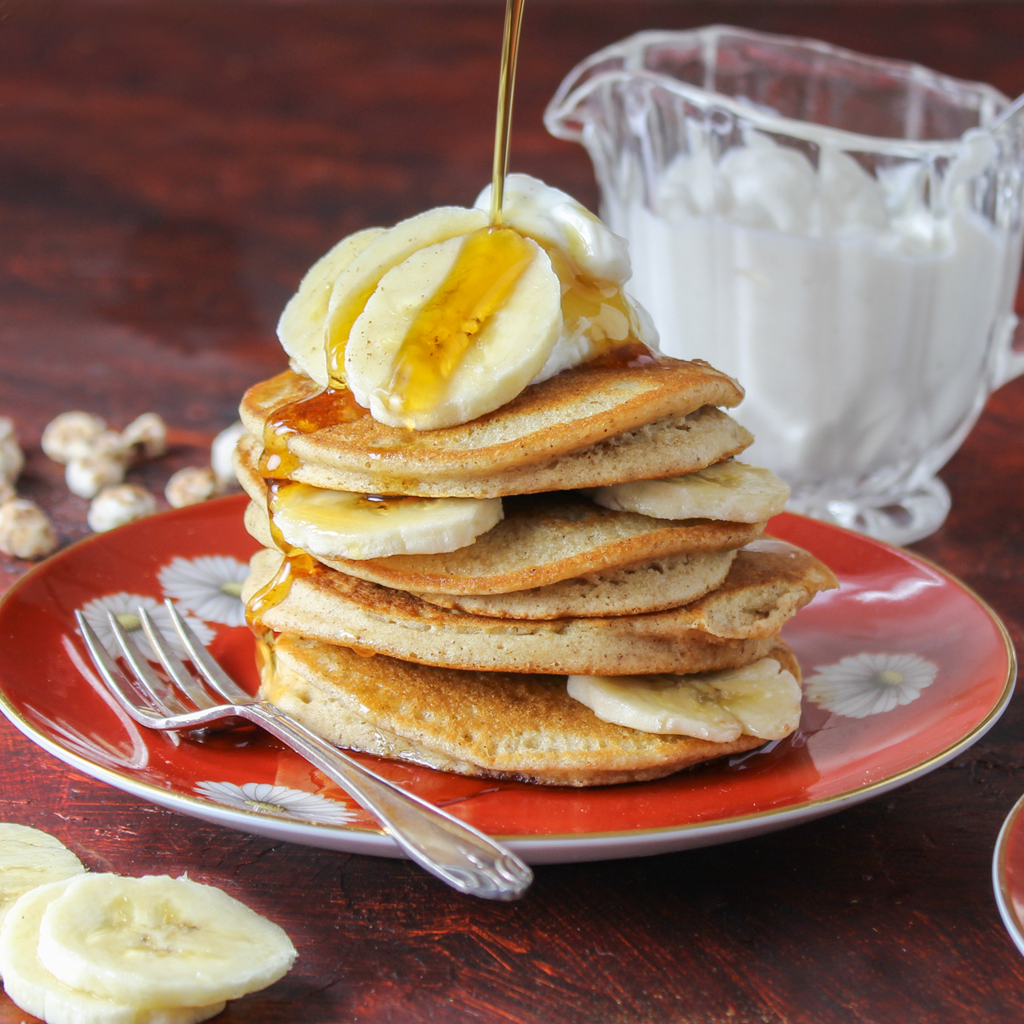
{"x": 25, "y": 529}
{"x": 115, "y": 506}
{"x": 11, "y": 458}
{"x": 222, "y": 453}
{"x": 148, "y": 433}
{"x": 191, "y": 485}
{"x": 71, "y": 435}
{"x": 87, "y": 477}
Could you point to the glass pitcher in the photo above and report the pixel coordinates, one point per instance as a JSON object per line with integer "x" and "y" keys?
{"x": 840, "y": 233}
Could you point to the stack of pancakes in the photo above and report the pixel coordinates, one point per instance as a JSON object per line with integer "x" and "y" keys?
{"x": 459, "y": 661}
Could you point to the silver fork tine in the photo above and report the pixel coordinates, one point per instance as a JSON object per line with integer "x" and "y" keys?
{"x": 183, "y": 679}
{"x": 112, "y": 676}
{"x": 163, "y": 696}
{"x": 217, "y": 678}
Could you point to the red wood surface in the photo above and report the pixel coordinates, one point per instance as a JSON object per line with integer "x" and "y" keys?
{"x": 168, "y": 169}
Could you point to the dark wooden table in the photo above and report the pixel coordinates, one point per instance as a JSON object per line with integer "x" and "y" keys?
{"x": 168, "y": 169}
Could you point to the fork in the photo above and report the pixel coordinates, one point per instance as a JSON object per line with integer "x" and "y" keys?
{"x": 458, "y": 854}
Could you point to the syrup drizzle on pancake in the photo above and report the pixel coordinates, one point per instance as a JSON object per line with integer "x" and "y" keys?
{"x": 489, "y": 264}
{"x": 277, "y": 463}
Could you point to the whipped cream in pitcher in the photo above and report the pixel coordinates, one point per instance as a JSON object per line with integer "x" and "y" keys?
{"x": 860, "y": 286}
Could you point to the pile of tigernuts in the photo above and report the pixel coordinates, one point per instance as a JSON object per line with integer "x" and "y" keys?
{"x": 96, "y": 460}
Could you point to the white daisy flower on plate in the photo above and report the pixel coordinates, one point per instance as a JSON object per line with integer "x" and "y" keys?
{"x": 277, "y": 801}
{"x": 869, "y": 684}
{"x": 126, "y": 610}
{"x": 209, "y": 586}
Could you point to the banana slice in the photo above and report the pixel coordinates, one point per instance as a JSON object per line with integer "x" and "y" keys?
{"x": 301, "y": 327}
{"x": 762, "y": 699}
{"x": 159, "y": 942}
{"x": 455, "y": 331}
{"x": 38, "y": 992}
{"x": 359, "y": 279}
{"x": 732, "y": 491}
{"x": 555, "y": 219}
{"x": 340, "y": 524}
{"x": 29, "y": 858}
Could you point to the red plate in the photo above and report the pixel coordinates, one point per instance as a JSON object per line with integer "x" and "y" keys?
{"x": 904, "y": 668}
{"x": 1008, "y": 874}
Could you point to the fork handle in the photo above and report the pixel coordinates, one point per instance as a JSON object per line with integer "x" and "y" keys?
{"x": 455, "y": 852}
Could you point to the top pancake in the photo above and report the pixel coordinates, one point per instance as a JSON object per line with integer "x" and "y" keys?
{"x": 566, "y": 416}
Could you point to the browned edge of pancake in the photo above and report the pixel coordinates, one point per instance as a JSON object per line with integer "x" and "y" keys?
{"x": 571, "y": 411}
{"x": 336, "y": 608}
{"x": 466, "y": 722}
{"x": 667, "y": 447}
{"x": 510, "y": 558}
{"x": 652, "y": 586}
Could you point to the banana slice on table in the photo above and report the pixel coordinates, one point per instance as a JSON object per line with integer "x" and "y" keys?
{"x": 301, "y": 327}
{"x": 159, "y": 942}
{"x": 29, "y": 858}
{"x": 341, "y": 524}
{"x": 732, "y": 491}
{"x": 455, "y": 331}
{"x": 762, "y": 699}
{"x": 37, "y": 991}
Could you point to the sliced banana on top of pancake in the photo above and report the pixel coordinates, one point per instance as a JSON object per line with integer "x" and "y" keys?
{"x": 359, "y": 279}
{"x": 731, "y": 491}
{"x": 342, "y": 524}
{"x": 33, "y": 988}
{"x": 301, "y": 327}
{"x": 762, "y": 699}
{"x": 30, "y": 858}
{"x": 159, "y": 942}
{"x": 456, "y": 330}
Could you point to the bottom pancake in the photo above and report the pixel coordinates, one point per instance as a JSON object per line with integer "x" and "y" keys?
{"x": 488, "y": 724}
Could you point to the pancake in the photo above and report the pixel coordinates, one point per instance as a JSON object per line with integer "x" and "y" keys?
{"x": 670, "y": 580}
{"x": 761, "y": 592}
{"x": 651, "y": 587}
{"x": 587, "y": 427}
{"x": 494, "y": 725}
{"x": 542, "y": 540}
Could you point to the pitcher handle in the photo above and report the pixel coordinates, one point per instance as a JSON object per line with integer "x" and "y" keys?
{"x": 1009, "y": 359}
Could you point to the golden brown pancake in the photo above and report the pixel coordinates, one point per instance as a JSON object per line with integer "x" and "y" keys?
{"x": 585, "y": 427}
{"x": 542, "y": 540}
{"x": 495, "y": 725}
{"x": 635, "y": 590}
{"x": 762, "y": 591}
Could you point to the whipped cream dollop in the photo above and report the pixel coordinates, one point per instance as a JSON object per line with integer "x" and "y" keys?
{"x": 553, "y": 218}
{"x": 443, "y": 318}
